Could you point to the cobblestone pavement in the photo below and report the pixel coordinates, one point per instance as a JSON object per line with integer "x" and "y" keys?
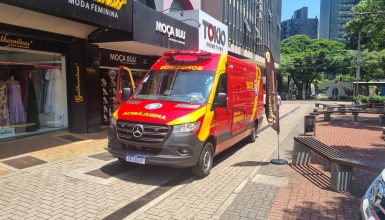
{"x": 73, "y": 185}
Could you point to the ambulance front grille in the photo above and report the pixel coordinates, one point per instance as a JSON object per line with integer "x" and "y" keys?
{"x": 139, "y": 134}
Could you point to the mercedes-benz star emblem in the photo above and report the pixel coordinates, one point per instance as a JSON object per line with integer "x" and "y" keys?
{"x": 137, "y": 131}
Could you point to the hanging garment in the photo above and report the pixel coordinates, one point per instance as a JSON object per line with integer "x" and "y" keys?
{"x": 16, "y": 108}
{"x": 50, "y": 98}
{"x": 38, "y": 75}
{"x": 32, "y": 114}
{"x": 4, "y": 113}
{"x": 22, "y": 77}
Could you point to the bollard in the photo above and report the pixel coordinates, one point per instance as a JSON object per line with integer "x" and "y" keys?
{"x": 382, "y": 119}
{"x": 309, "y": 124}
{"x": 383, "y": 133}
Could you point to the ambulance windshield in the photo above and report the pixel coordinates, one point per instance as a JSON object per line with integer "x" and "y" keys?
{"x": 177, "y": 86}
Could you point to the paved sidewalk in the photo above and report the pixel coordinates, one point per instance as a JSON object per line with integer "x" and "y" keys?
{"x": 74, "y": 178}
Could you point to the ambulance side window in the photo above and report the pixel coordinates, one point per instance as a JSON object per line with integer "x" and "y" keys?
{"x": 221, "y": 87}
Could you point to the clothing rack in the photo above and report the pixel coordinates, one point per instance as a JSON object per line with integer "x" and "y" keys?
{"x": 42, "y": 66}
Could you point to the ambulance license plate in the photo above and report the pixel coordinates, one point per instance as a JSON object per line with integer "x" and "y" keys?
{"x": 135, "y": 158}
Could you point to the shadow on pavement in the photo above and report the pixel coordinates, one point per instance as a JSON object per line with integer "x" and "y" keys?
{"x": 313, "y": 175}
{"x": 26, "y": 145}
{"x": 250, "y": 164}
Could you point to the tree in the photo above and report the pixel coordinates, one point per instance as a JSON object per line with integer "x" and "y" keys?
{"x": 368, "y": 19}
{"x": 373, "y": 65}
{"x": 305, "y": 60}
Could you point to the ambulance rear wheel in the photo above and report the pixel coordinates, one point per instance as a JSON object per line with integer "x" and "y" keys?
{"x": 253, "y": 134}
{"x": 205, "y": 161}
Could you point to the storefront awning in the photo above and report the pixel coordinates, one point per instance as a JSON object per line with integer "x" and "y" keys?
{"x": 39, "y": 21}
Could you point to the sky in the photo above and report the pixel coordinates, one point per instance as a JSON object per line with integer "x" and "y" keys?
{"x": 289, "y": 6}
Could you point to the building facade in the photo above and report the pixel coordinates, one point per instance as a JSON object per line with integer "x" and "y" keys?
{"x": 334, "y": 14}
{"x": 300, "y": 24}
{"x": 59, "y": 59}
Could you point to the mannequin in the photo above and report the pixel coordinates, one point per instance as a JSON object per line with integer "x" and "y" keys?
{"x": 16, "y": 108}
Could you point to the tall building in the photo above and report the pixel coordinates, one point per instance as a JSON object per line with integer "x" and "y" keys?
{"x": 300, "y": 24}
{"x": 334, "y": 14}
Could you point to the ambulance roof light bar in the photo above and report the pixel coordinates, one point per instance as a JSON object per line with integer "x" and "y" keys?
{"x": 177, "y": 56}
{"x": 187, "y": 52}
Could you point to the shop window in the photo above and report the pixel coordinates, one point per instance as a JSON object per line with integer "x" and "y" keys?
{"x": 108, "y": 83}
{"x": 32, "y": 92}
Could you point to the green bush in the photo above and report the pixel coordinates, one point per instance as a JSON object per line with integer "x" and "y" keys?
{"x": 346, "y": 98}
{"x": 376, "y": 99}
{"x": 370, "y": 99}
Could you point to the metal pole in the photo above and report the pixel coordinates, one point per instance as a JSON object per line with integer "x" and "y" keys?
{"x": 278, "y": 161}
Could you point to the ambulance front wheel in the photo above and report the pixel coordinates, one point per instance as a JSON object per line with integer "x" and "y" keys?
{"x": 205, "y": 161}
{"x": 122, "y": 161}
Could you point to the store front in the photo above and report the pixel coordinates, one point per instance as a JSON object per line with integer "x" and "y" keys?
{"x": 33, "y": 83}
{"x": 69, "y": 52}
{"x": 110, "y": 62}
{"x": 46, "y": 55}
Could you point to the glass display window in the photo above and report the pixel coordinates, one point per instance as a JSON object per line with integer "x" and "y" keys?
{"x": 33, "y": 93}
{"x": 108, "y": 82}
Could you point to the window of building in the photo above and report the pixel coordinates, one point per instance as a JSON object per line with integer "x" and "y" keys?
{"x": 32, "y": 92}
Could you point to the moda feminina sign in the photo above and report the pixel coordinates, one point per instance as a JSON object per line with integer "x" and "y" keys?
{"x": 109, "y": 13}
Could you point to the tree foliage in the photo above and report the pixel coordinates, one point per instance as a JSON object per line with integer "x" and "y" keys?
{"x": 306, "y": 60}
{"x": 368, "y": 19}
{"x": 373, "y": 65}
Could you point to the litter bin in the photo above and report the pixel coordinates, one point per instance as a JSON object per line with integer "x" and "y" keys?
{"x": 309, "y": 122}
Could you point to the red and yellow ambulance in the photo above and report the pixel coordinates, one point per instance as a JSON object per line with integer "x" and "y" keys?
{"x": 188, "y": 108}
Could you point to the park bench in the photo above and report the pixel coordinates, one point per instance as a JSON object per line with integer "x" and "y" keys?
{"x": 341, "y": 164}
{"x": 355, "y": 112}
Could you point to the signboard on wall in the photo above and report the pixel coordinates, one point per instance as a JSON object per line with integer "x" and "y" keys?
{"x": 115, "y": 14}
{"x": 161, "y": 30}
{"x": 213, "y": 34}
{"x": 112, "y": 58}
{"x": 24, "y": 42}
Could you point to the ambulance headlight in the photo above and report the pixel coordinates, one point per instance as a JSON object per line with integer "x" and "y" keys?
{"x": 188, "y": 127}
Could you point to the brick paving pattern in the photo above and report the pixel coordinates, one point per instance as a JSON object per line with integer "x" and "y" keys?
{"x": 308, "y": 196}
{"x": 253, "y": 202}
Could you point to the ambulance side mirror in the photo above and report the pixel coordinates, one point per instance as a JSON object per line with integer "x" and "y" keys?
{"x": 126, "y": 94}
{"x": 221, "y": 100}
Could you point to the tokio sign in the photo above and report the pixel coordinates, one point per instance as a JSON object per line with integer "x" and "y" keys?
{"x": 213, "y": 34}
{"x": 108, "y": 13}
{"x": 215, "y": 37}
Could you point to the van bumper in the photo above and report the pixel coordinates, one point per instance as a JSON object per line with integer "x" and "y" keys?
{"x": 168, "y": 154}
